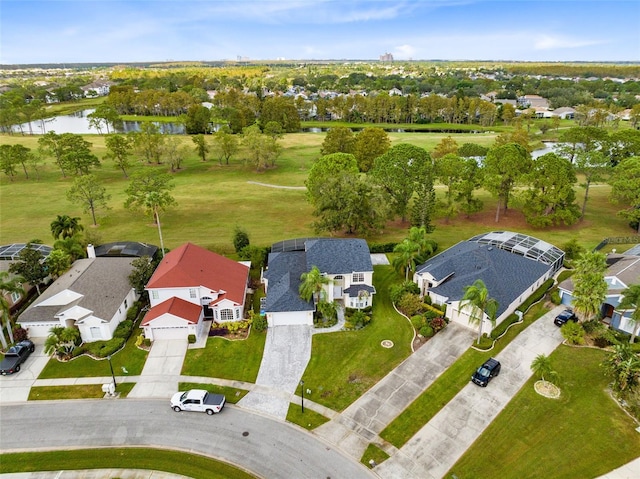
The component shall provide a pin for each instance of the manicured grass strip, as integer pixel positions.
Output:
(130, 358)
(233, 395)
(222, 358)
(374, 453)
(88, 391)
(124, 389)
(190, 465)
(582, 434)
(346, 364)
(447, 385)
(308, 420)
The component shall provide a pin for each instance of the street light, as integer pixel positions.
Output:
(302, 391)
(112, 375)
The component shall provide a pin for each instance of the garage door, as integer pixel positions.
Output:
(170, 333)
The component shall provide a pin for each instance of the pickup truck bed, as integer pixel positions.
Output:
(15, 356)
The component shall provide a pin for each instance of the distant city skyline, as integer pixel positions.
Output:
(113, 31)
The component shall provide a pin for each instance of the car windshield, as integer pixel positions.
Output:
(184, 396)
(483, 371)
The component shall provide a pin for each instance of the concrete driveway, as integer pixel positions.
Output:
(442, 441)
(15, 388)
(286, 354)
(161, 372)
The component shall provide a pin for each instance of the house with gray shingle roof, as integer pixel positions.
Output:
(345, 262)
(623, 270)
(94, 295)
(511, 265)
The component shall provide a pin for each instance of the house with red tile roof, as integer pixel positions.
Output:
(190, 285)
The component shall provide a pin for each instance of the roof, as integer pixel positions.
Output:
(290, 259)
(623, 270)
(283, 276)
(126, 249)
(338, 256)
(505, 274)
(95, 284)
(191, 266)
(524, 245)
(11, 252)
(190, 312)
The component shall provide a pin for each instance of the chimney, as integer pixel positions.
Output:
(91, 251)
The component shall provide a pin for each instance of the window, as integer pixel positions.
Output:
(154, 294)
(358, 278)
(226, 314)
(193, 293)
(126, 304)
(237, 313)
(15, 297)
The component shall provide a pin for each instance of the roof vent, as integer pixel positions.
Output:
(490, 248)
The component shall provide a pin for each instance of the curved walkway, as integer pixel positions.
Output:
(277, 186)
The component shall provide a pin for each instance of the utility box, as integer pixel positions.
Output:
(109, 389)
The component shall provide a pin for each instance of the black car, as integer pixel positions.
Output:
(564, 317)
(15, 356)
(486, 372)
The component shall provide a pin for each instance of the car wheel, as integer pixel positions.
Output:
(17, 368)
(210, 412)
(32, 349)
(177, 408)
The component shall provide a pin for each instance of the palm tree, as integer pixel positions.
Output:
(590, 287)
(65, 227)
(312, 285)
(541, 365)
(412, 250)
(70, 246)
(631, 301)
(61, 340)
(476, 298)
(8, 286)
(623, 366)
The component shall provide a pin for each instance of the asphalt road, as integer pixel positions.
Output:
(265, 447)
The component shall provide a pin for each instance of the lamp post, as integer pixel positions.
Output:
(302, 391)
(112, 375)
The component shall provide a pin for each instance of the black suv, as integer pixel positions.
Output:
(564, 317)
(484, 374)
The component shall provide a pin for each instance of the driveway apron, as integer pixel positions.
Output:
(361, 422)
(161, 372)
(444, 439)
(286, 354)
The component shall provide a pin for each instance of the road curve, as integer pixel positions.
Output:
(265, 447)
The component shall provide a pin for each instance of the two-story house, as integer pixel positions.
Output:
(192, 284)
(346, 263)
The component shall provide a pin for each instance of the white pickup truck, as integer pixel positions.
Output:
(198, 400)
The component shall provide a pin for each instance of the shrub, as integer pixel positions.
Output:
(123, 330)
(146, 342)
(396, 291)
(382, 247)
(417, 321)
(191, 339)
(410, 304)
(554, 296)
(256, 254)
(102, 349)
(19, 334)
(359, 320)
(132, 314)
(573, 332)
(426, 331)
(502, 327)
(240, 239)
(434, 310)
(260, 323)
(438, 324)
(537, 295)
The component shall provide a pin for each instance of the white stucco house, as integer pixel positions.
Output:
(346, 263)
(192, 284)
(623, 270)
(511, 265)
(94, 295)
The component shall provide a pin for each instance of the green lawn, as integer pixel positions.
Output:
(582, 434)
(176, 462)
(130, 357)
(447, 385)
(346, 364)
(222, 358)
(374, 453)
(88, 391)
(232, 395)
(308, 419)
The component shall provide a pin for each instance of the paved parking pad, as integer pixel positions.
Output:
(442, 441)
(16, 387)
(162, 369)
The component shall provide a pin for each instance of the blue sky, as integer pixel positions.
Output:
(53, 31)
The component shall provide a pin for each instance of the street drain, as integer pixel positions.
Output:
(245, 434)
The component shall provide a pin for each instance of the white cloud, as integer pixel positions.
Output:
(404, 51)
(552, 42)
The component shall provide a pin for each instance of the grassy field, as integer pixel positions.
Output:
(582, 434)
(176, 462)
(222, 358)
(213, 200)
(346, 364)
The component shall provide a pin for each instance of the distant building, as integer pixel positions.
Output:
(387, 57)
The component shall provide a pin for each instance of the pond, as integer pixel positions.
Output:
(78, 123)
